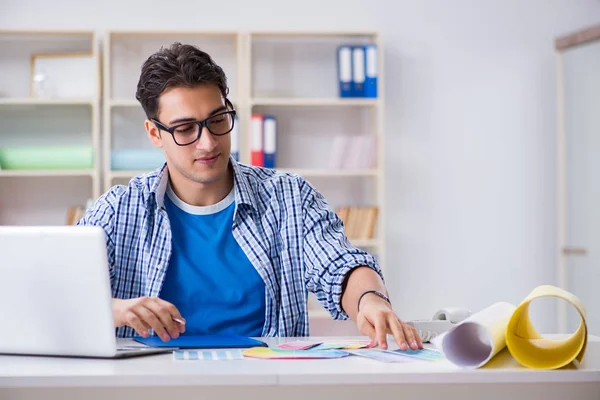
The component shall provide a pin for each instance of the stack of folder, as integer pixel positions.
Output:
(357, 70)
(264, 140)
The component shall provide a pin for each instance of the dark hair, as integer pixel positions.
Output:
(180, 65)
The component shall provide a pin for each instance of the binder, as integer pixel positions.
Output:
(257, 150)
(270, 137)
(345, 71)
(235, 140)
(371, 71)
(224, 341)
(358, 71)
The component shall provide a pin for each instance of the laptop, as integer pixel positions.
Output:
(55, 297)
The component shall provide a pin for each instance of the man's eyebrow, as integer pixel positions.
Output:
(184, 119)
(188, 119)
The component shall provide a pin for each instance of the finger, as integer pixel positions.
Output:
(175, 315)
(418, 338)
(381, 330)
(135, 322)
(161, 310)
(409, 334)
(396, 328)
(151, 319)
(365, 327)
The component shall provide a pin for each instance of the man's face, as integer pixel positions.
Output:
(206, 160)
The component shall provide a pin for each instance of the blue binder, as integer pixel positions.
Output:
(270, 140)
(345, 71)
(371, 62)
(203, 342)
(358, 71)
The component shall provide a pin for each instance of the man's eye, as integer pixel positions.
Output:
(184, 128)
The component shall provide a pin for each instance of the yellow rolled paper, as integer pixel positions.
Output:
(534, 351)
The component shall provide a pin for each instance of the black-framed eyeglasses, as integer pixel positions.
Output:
(187, 133)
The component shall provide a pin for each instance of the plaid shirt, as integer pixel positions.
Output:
(281, 222)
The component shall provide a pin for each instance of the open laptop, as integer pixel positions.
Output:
(55, 296)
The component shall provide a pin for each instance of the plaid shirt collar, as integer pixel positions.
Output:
(242, 186)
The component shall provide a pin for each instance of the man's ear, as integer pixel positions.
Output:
(154, 134)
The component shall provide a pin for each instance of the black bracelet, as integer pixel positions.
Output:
(376, 292)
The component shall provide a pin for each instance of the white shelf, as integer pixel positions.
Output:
(47, 173)
(126, 174)
(331, 173)
(318, 313)
(313, 102)
(365, 243)
(33, 101)
(325, 173)
(124, 103)
(133, 103)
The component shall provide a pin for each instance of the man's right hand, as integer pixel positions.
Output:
(144, 313)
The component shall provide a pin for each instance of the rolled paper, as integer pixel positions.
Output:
(531, 349)
(474, 341)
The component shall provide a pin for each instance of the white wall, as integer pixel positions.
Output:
(470, 121)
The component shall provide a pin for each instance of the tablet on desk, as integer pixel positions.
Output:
(203, 342)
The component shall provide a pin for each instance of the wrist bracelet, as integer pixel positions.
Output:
(375, 292)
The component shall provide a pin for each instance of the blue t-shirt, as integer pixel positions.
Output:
(209, 278)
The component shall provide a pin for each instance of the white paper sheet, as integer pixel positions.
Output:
(474, 341)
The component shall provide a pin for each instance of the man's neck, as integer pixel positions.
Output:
(201, 194)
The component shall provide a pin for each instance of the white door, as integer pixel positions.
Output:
(581, 247)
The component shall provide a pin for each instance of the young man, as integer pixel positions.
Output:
(206, 245)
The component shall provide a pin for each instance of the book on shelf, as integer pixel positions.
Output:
(359, 221)
(353, 152)
(75, 213)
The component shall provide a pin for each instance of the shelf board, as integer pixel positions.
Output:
(48, 173)
(34, 101)
(326, 33)
(313, 102)
(326, 173)
(132, 103)
(126, 174)
(124, 103)
(365, 243)
(318, 313)
(330, 173)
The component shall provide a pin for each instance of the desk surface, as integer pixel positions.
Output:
(162, 370)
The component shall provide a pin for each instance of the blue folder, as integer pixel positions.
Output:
(203, 342)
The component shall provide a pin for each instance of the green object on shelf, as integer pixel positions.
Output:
(49, 157)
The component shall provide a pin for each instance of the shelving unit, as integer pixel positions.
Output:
(293, 76)
(41, 197)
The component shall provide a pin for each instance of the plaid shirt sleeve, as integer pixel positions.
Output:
(102, 214)
(328, 254)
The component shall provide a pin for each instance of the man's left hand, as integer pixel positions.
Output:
(376, 319)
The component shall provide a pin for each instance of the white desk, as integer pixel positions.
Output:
(161, 377)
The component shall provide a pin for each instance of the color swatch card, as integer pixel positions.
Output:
(278, 354)
(381, 355)
(326, 345)
(298, 345)
(208, 355)
(421, 354)
(345, 345)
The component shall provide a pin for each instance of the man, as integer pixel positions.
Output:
(206, 245)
